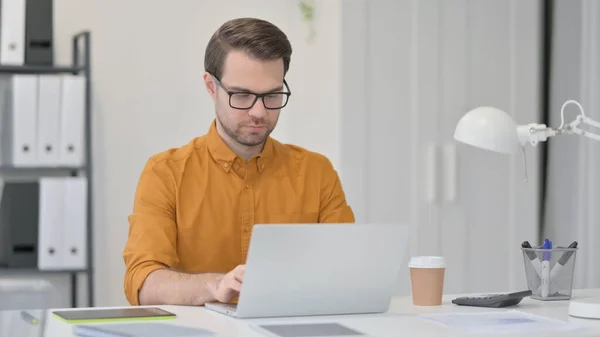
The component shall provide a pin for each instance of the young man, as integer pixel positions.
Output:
(195, 206)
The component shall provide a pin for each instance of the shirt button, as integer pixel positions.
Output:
(247, 186)
(247, 228)
(226, 165)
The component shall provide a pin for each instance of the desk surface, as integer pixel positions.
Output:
(401, 320)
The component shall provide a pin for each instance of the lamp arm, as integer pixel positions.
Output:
(534, 133)
(573, 127)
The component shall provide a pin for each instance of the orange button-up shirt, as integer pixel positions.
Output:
(195, 205)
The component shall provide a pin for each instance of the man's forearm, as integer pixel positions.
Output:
(166, 286)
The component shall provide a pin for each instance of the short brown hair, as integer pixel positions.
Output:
(258, 38)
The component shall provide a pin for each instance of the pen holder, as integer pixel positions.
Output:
(550, 272)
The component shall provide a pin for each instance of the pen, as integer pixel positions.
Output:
(562, 261)
(546, 267)
(28, 318)
(537, 265)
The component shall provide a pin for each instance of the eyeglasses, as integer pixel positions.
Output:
(245, 100)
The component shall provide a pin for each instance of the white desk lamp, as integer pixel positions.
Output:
(494, 130)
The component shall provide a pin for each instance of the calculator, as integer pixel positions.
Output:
(493, 300)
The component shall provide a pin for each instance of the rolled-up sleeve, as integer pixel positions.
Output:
(334, 208)
(151, 243)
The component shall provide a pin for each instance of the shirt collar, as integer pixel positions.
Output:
(225, 157)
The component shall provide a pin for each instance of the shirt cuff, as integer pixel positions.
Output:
(136, 280)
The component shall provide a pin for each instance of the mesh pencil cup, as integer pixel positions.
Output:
(550, 272)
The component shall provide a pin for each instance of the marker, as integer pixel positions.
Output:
(28, 318)
(562, 261)
(537, 265)
(546, 268)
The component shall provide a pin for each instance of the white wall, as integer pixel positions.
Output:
(572, 211)
(424, 64)
(148, 94)
(370, 97)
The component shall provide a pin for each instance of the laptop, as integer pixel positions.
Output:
(319, 269)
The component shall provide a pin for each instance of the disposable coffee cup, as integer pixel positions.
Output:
(427, 279)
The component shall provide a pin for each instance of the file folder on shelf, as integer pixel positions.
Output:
(18, 133)
(19, 224)
(75, 220)
(72, 140)
(12, 32)
(48, 120)
(50, 222)
(39, 30)
(62, 223)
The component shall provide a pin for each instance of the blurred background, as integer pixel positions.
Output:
(378, 87)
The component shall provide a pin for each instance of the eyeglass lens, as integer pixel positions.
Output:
(247, 100)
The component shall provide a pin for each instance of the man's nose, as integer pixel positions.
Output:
(258, 110)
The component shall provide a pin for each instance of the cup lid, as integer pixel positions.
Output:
(427, 262)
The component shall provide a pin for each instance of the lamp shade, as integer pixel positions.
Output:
(488, 128)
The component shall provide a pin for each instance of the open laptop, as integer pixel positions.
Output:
(319, 269)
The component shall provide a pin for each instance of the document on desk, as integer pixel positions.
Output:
(499, 322)
(309, 330)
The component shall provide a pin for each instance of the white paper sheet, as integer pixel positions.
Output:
(499, 322)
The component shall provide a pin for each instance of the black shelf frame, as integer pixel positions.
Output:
(81, 64)
(32, 69)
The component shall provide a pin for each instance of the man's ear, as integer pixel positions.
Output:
(210, 84)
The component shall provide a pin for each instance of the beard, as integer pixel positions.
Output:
(250, 138)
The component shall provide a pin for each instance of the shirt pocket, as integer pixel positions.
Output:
(287, 218)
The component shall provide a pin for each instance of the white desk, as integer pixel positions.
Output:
(401, 320)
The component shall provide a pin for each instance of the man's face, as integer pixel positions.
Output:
(242, 73)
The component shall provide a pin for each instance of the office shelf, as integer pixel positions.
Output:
(41, 171)
(39, 69)
(5, 270)
(81, 56)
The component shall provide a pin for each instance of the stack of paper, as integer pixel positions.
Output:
(499, 322)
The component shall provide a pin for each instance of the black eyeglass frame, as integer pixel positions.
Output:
(288, 93)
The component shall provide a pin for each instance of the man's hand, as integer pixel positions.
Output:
(167, 286)
(229, 285)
